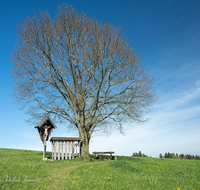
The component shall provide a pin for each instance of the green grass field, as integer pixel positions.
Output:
(123, 173)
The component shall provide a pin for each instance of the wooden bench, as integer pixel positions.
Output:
(100, 155)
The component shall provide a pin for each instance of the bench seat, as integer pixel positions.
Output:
(99, 155)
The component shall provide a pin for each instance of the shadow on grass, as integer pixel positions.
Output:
(124, 166)
(132, 158)
(48, 154)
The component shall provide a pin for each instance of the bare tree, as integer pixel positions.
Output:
(81, 71)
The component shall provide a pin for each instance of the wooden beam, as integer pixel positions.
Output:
(66, 139)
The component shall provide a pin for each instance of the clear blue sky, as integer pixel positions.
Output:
(169, 34)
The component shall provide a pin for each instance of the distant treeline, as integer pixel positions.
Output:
(140, 154)
(180, 156)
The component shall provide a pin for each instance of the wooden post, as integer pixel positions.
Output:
(66, 144)
(72, 149)
(44, 152)
(58, 150)
(55, 143)
(52, 149)
(62, 150)
(69, 149)
(76, 149)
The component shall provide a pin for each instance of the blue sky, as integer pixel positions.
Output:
(169, 34)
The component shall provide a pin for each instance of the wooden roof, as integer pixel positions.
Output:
(65, 139)
(44, 120)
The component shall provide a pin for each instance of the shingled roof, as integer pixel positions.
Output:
(65, 139)
(45, 122)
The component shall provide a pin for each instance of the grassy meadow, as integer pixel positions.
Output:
(23, 169)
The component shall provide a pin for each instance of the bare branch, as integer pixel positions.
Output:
(79, 71)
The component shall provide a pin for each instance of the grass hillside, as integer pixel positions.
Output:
(26, 170)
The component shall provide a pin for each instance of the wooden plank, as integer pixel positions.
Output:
(66, 149)
(58, 150)
(72, 149)
(55, 146)
(62, 150)
(76, 149)
(104, 152)
(52, 149)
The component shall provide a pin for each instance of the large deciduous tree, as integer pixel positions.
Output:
(81, 71)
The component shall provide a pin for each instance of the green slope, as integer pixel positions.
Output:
(123, 173)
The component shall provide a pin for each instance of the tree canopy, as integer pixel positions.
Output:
(78, 70)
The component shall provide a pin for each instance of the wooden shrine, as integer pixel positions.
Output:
(65, 147)
(45, 128)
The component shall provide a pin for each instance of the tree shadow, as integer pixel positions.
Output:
(124, 166)
(48, 154)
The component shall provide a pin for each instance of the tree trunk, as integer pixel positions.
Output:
(85, 144)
